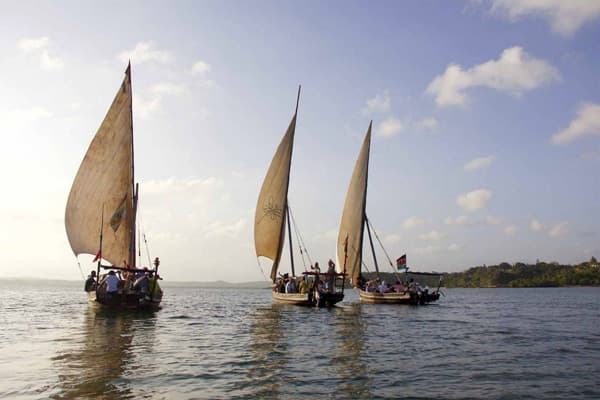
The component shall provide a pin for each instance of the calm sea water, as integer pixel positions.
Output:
(225, 343)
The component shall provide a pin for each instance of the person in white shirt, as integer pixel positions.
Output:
(112, 282)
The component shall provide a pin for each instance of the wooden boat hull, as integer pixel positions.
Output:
(299, 299)
(127, 301)
(396, 298)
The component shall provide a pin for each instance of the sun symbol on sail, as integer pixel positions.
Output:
(272, 210)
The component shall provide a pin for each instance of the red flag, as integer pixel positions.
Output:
(98, 256)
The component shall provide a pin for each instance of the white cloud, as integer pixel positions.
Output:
(200, 67)
(479, 163)
(492, 220)
(392, 238)
(587, 123)
(143, 52)
(460, 220)
(433, 235)
(455, 247)
(144, 107)
(39, 46)
(565, 16)
(412, 222)
(389, 127)
(379, 104)
(514, 72)
(29, 45)
(427, 123)
(510, 229)
(17, 118)
(536, 225)
(474, 200)
(428, 250)
(558, 229)
(330, 234)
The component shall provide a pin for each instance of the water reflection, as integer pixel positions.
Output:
(97, 368)
(352, 371)
(268, 350)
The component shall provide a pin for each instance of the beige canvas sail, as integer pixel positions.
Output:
(269, 222)
(104, 181)
(353, 217)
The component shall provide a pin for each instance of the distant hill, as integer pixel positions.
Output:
(540, 274)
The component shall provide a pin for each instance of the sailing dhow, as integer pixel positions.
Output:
(105, 184)
(272, 212)
(350, 238)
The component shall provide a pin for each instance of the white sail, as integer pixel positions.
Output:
(105, 182)
(353, 217)
(269, 222)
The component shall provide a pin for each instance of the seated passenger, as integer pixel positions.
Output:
(399, 287)
(290, 287)
(383, 288)
(112, 282)
(302, 287)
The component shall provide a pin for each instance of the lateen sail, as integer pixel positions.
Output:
(269, 223)
(353, 217)
(104, 181)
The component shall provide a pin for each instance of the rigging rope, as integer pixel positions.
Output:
(381, 244)
(300, 239)
(80, 270)
(145, 241)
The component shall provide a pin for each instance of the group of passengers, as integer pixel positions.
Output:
(304, 285)
(381, 286)
(124, 281)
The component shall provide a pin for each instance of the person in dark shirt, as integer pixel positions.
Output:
(90, 283)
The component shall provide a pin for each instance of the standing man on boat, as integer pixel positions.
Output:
(90, 283)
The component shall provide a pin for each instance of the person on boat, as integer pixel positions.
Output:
(383, 288)
(399, 287)
(302, 287)
(412, 286)
(316, 268)
(153, 284)
(142, 282)
(111, 281)
(290, 286)
(90, 283)
(330, 276)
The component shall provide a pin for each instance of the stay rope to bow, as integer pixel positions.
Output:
(381, 244)
(300, 240)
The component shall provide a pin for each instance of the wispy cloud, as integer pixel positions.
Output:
(493, 220)
(479, 163)
(392, 238)
(460, 220)
(389, 127)
(426, 123)
(167, 88)
(200, 68)
(565, 16)
(474, 200)
(17, 118)
(412, 222)
(145, 52)
(587, 123)
(40, 47)
(222, 229)
(433, 235)
(381, 103)
(171, 185)
(510, 230)
(455, 247)
(514, 72)
(555, 230)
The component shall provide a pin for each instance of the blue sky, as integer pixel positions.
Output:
(486, 120)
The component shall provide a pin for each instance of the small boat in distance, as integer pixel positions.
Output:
(272, 211)
(105, 182)
(350, 240)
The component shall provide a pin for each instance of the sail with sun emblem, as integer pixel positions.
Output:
(270, 221)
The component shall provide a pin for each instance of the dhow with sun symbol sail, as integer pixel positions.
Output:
(313, 288)
(100, 217)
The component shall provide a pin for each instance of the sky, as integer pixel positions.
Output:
(486, 125)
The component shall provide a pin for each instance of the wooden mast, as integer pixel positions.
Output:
(287, 208)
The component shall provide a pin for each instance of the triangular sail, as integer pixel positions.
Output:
(269, 222)
(353, 218)
(105, 181)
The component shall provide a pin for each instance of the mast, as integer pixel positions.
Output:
(287, 212)
(134, 186)
(372, 248)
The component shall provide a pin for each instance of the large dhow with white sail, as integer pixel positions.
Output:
(350, 243)
(272, 213)
(101, 213)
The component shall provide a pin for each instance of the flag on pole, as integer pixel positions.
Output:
(98, 256)
(401, 263)
(119, 215)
